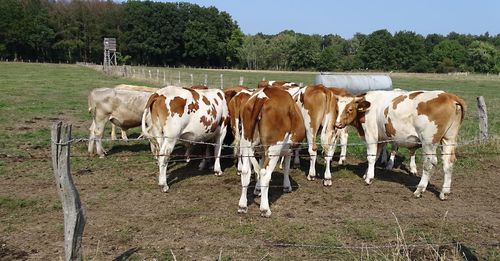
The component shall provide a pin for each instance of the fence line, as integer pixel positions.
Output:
(462, 143)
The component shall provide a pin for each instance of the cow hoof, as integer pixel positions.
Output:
(311, 178)
(327, 182)
(242, 210)
(418, 192)
(413, 173)
(443, 196)
(164, 189)
(102, 156)
(287, 189)
(368, 181)
(265, 213)
(218, 174)
(257, 193)
(341, 162)
(238, 172)
(364, 176)
(389, 167)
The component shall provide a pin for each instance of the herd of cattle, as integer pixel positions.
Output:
(273, 119)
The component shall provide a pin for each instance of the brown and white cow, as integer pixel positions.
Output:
(409, 119)
(270, 118)
(185, 115)
(318, 107)
(123, 108)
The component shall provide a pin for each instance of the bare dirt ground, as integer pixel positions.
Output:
(128, 218)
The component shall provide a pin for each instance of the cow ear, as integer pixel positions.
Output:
(363, 106)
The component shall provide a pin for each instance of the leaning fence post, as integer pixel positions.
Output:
(483, 118)
(74, 213)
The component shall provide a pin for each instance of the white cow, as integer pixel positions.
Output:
(123, 108)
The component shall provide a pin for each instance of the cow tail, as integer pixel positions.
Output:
(146, 130)
(250, 117)
(331, 102)
(460, 102)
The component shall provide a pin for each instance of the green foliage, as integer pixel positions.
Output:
(483, 57)
(448, 55)
(377, 51)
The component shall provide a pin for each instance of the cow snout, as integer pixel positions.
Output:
(339, 125)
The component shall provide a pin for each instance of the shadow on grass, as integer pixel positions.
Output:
(402, 177)
(125, 255)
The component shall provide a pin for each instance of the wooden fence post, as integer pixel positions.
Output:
(205, 81)
(241, 81)
(74, 213)
(221, 81)
(483, 118)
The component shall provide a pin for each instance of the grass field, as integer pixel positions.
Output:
(129, 218)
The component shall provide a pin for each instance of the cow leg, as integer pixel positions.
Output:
(392, 158)
(282, 159)
(312, 149)
(167, 145)
(371, 157)
(98, 133)
(113, 131)
(430, 160)
(344, 136)
(329, 149)
(265, 177)
(448, 157)
(296, 160)
(245, 175)
(124, 134)
(383, 156)
(203, 163)
(239, 163)
(217, 150)
(413, 165)
(287, 186)
(91, 146)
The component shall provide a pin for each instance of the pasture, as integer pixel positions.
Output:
(130, 219)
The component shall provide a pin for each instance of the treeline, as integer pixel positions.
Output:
(154, 33)
(380, 50)
(147, 32)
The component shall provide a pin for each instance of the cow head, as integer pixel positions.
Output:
(349, 109)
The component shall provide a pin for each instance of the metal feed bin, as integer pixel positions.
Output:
(355, 83)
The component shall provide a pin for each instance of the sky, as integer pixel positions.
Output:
(348, 17)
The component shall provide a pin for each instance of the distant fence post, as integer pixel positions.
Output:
(74, 213)
(192, 79)
(241, 81)
(205, 82)
(221, 81)
(179, 78)
(483, 118)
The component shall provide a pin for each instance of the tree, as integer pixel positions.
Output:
(305, 52)
(409, 50)
(377, 52)
(448, 55)
(482, 57)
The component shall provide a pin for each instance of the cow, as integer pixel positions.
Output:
(129, 88)
(270, 118)
(318, 107)
(410, 119)
(123, 108)
(187, 116)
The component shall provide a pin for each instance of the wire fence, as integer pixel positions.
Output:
(168, 76)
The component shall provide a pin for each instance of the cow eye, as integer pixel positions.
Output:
(350, 110)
